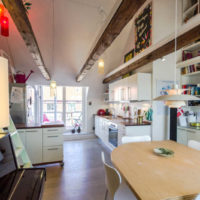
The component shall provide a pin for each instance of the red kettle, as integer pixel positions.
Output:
(20, 77)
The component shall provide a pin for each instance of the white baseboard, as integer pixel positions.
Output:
(79, 136)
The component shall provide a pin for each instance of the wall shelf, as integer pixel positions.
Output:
(195, 46)
(191, 74)
(188, 62)
(190, 9)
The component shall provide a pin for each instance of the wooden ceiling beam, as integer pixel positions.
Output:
(19, 15)
(122, 16)
(182, 40)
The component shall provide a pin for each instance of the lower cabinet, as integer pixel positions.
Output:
(34, 145)
(182, 136)
(52, 154)
(133, 131)
(186, 134)
(102, 130)
(43, 145)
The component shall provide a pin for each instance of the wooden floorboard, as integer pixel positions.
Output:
(82, 177)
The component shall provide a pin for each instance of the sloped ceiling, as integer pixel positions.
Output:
(78, 24)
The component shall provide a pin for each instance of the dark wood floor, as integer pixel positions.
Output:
(82, 177)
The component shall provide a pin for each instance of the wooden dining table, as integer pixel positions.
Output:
(153, 177)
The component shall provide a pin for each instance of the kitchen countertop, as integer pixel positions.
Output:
(32, 126)
(125, 122)
(189, 127)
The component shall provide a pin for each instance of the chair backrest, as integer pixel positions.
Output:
(129, 139)
(113, 178)
(194, 144)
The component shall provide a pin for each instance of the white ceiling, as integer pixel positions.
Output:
(78, 25)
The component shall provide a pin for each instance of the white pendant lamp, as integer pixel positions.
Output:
(174, 97)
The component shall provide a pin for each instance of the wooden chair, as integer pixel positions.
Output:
(194, 144)
(129, 139)
(117, 189)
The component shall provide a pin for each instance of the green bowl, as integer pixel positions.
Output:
(164, 152)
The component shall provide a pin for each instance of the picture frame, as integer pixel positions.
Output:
(143, 29)
(129, 55)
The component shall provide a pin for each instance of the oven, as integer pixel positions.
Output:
(113, 134)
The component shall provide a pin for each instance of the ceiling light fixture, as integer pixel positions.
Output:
(101, 66)
(174, 97)
(53, 83)
(53, 88)
(163, 59)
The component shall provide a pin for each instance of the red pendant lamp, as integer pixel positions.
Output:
(4, 26)
(4, 22)
(1, 10)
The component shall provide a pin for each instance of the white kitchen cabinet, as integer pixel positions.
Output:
(52, 144)
(102, 130)
(186, 134)
(52, 154)
(34, 144)
(43, 144)
(139, 87)
(133, 131)
(134, 88)
(182, 136)
(22, 135)
(97, 128)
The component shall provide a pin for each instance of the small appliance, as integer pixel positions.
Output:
(101, 112)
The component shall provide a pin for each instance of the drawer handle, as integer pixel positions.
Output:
(53, 136)
(31, 131)
(53, 149)
(53, 130)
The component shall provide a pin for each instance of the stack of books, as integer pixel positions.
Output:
(186, 55)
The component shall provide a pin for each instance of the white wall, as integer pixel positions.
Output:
(163, 26)
(161, 71)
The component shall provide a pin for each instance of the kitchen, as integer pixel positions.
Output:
(87, 77)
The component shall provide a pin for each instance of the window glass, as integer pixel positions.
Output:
(59, 93)
(53, 107)
(46, 93)
(74, 93)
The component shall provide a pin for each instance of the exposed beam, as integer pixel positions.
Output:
(122, 16)
(182, 40)
(19, 15)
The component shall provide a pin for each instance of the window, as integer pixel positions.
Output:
(73, 105)
(52, 107)
(67, 106)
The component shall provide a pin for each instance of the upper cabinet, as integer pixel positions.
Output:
(139, 86)
(134, 88)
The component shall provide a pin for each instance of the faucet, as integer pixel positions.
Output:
(113, 111)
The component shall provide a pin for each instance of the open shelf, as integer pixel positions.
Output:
(195, 46)
(188, 62)
(190, 9)
(191, 74)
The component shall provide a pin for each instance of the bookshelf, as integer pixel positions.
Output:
(190, 64)
(189, 67)
(191, 8)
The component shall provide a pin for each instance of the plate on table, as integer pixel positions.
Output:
(163, 152)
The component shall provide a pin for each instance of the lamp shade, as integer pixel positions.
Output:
(4, 95)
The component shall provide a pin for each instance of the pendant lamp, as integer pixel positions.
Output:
(53, 83)
(174, 97)
(101, 66)
(53, 88)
